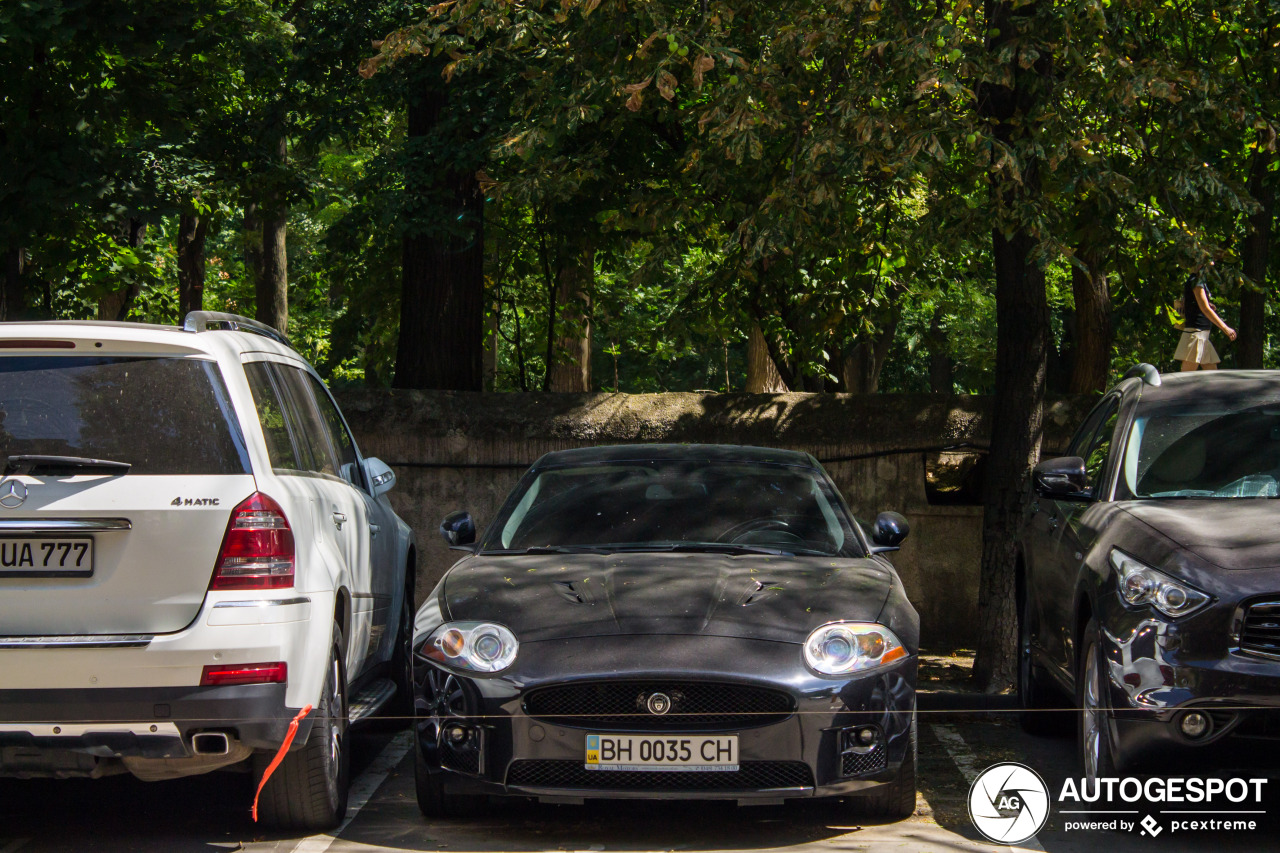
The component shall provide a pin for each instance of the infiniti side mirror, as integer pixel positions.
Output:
(1061, 478)
(887, 533)
(458, 529)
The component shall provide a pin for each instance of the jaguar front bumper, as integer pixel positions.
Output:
(494, 735)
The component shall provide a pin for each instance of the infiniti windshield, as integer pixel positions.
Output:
(677, 506)
(1204, 450)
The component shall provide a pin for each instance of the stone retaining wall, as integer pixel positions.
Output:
(465, 451)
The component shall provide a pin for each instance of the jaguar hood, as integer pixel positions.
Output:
(558, 596)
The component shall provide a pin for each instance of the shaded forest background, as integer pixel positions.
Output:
(1002, 197)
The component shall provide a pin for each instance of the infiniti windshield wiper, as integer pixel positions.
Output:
(66, 466)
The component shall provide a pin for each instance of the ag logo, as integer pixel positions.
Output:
(1008, 803)
(13, 494)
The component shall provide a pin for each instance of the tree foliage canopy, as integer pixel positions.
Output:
(825, 172)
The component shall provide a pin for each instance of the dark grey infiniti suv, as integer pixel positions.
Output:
(1149, 574)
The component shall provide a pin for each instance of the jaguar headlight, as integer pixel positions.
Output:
(1140, 585)
(478, 646)
(841, 648)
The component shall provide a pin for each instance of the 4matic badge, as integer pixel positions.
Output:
(181, 501)
(1009, 803)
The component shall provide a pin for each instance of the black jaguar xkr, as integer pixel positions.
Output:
(667, 621)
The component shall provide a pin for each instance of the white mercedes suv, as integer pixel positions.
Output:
(192, 552)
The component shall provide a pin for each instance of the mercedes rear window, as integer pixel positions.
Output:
(160, 415)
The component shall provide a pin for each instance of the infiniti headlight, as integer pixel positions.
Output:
(478, 646)
(841, 648)
(1139, 584)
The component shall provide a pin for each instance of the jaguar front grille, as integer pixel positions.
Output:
(688, 706)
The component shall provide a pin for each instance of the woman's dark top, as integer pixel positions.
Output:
(1196, 319)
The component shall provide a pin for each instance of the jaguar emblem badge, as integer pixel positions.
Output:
(658, 704)
(13, 494)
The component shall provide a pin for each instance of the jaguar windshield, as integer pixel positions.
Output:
(721, 507)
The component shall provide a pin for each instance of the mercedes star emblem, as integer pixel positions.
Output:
(658, 703)
(13, 494)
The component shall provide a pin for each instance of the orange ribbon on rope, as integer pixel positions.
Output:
(275, 762)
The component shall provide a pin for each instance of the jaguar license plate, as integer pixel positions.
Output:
(656, 752)
(36, 557)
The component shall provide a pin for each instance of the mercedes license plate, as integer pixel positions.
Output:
(657, 752)
(42, 556)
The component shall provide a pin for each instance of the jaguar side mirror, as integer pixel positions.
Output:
(887, 533)
(1061, 478)
(458, 529)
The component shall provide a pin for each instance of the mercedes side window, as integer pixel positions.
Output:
(309, 426)
(1095, 455)
(282, 447)
(339, 436)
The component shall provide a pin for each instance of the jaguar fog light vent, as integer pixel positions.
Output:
(862, 751)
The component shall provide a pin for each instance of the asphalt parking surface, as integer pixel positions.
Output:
(210, 814)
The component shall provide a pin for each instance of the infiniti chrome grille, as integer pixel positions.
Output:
(1260, 629)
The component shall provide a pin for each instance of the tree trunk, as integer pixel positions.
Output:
(1092, 363)
(1252, 336)
(571, 364)
(865, 358)
(942, 368)
(115, 304)
(12, 301)
(1022, 344)
(273, 277)
(762, 373)
(192, 229)
(251, 241)
(442, 301)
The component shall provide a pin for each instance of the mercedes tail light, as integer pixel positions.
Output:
(257, 549)
(245, 673)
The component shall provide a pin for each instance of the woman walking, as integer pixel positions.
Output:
(1194, 347)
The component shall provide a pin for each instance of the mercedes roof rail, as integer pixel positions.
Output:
(204, 321)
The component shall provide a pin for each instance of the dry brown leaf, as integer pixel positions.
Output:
(667, 84)
(701, 66)
(640, 51)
